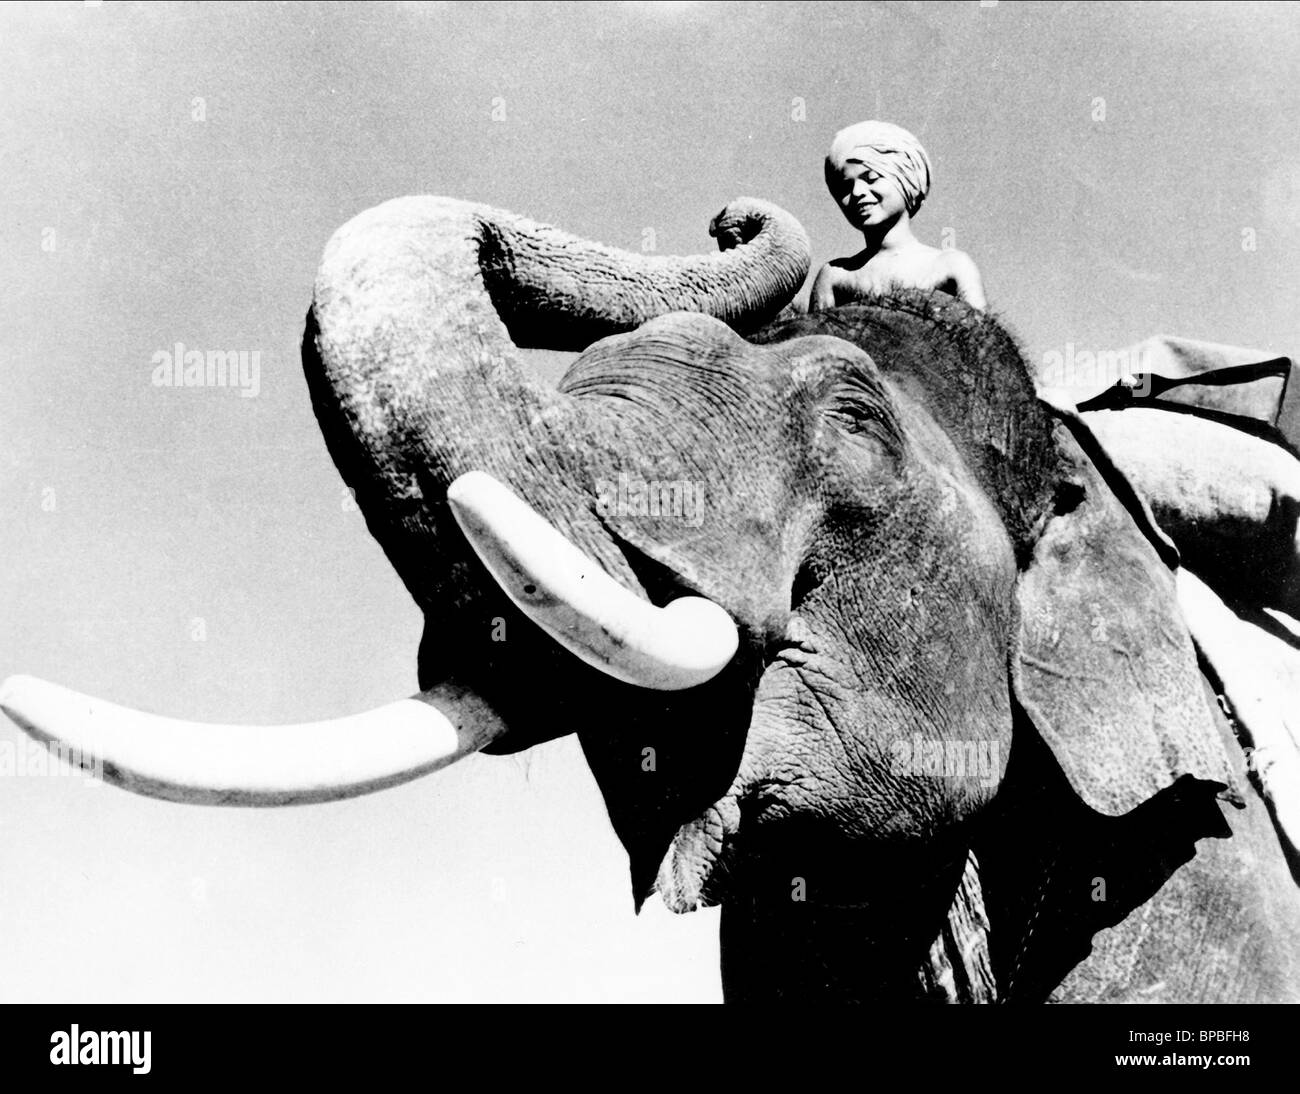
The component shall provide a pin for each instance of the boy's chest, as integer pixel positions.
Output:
(881, 274)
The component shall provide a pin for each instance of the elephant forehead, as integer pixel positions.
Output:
(685, 398)
(685, 362)
(692, 380)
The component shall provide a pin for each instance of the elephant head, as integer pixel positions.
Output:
(810, 600)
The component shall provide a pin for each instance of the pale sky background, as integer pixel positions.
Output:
(1099, 161)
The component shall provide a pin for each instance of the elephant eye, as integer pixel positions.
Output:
(862, 410)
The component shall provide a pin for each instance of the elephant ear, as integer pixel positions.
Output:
(1104, 664)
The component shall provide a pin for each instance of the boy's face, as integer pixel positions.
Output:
(867, 198)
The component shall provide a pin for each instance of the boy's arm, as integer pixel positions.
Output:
(822, 296)
(966, 279)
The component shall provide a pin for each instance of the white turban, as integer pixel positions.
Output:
(888, 150)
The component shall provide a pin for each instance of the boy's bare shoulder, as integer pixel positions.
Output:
(954, 259)
(959, 270)
(832, 276)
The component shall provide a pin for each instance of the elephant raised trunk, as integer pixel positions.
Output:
(420, 304)
(409, 352)
(555, 291)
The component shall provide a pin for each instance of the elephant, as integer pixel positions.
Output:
(905, 687)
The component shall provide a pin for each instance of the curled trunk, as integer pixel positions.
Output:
(556, 291)
(409, 350)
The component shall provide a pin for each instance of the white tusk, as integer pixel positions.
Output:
(578, 604)
(252, 765)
